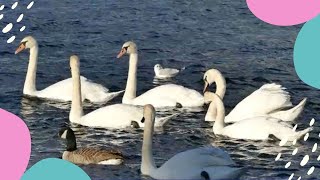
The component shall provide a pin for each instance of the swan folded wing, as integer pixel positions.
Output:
(268, 98)
(92, 155)
(200, 157)
(169, 95)
(189, 164)
(168, 71)
(113, 116)
(224, 172)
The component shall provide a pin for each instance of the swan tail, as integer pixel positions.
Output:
(300, 134)
(106, 97)
(222, 172)
(164, 120)
(291, 114)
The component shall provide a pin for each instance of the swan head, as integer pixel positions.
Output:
(128, 48)
(210, 77)
(149, 114)
(74, 63)
(26, 43)
(157, 67)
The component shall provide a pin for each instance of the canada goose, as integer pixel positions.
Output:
(87, 155)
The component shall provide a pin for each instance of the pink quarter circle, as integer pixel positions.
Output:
(15, 146)
(284, 12)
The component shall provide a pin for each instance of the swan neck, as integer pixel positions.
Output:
(220, 85)
(218, 107)
(131, 87)
(30, 82)
(147, 165)
(76, 111)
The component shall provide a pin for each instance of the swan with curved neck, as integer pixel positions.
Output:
(254, 128)
(204, 162)
(162, 96)
(60, 91)
(112, 116)
(270, 100)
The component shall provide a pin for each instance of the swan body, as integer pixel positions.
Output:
(204, 162)
(87, 155)
(269, 100)
(162, 96)
(60, 91)
(169, 95)
(255, 128)
(112, 116)
(161, 72)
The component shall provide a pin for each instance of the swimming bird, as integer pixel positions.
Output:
(110, 116)
(205, 162)
(161, 72)
(60, 91)
(87, 155)
(169, 95)
(271, 100)
(254, 128)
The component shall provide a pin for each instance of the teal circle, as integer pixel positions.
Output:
(307, 53)
(55, 169)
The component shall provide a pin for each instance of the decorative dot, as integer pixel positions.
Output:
(283, 141)
(1, 16)
(291, 176)
(278, 157)
(1, 7)
(299, 178)
(315, 146)
(7, 28)
(318, 159)
(294, 152)
(10, 40)
(312, 122)
(30, 5)
(306, 137)
(295, 127)
(22, 28)
(14, 5)
(288, 165)
(304, 160)
(310, 170)
(20, 18)
(294, 142)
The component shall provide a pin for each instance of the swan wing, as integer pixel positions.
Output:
(189, 164)
(113, 116)
(269, 98)
(170, 95)
(62, 91)
(168, 72)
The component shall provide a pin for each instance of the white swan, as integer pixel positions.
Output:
(161, 72)
(62, 90)
(112, 116)
(201, 163)
(271, 99)
(162, 96)
(255, 128)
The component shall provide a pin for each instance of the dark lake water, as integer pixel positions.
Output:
(198, 35)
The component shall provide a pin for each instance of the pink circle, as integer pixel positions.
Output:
(284, 12)
(15, 146)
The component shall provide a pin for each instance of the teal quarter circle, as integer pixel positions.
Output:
(55, 169)
(307, 53)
